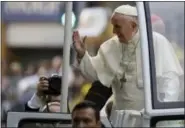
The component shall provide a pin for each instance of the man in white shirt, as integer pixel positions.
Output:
(38, 100)
(117, 62)
(42, 102)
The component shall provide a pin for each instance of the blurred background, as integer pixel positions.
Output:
(32, 43)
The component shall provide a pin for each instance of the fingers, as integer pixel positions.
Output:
(42, 78)
(76, 40)
(78, 44)
(43, 84)
(77, 34)
(76, 37)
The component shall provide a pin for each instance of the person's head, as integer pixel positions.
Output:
(16, 68)
(42, 71)
(157, 24)
(56, 62)
(30, 70)
(124, 21)
(86, 115)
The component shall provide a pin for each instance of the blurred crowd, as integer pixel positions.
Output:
(19, 83)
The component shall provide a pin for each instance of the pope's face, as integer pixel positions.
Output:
(123, 27)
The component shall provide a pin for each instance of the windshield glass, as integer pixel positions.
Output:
(170, 64)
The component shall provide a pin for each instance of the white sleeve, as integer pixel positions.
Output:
(35, 102)
(96, 68)
(170, 87)
(87, 68)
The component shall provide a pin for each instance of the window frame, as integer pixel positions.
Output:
(156, 104)
(156, 119)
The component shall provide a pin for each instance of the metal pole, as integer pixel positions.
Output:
(145, 56)
(66, 56)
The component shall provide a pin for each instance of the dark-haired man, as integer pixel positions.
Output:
(86, 115)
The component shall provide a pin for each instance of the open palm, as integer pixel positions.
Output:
(78, 44)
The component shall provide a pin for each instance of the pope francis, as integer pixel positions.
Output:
(117, 64)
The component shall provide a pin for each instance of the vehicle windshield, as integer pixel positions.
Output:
(171, 27)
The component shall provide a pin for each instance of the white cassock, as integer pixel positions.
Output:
(116, 61)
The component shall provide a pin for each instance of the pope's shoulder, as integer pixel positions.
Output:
(111, 41)
(110, 45)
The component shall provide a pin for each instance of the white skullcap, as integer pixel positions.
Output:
(126, 10)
